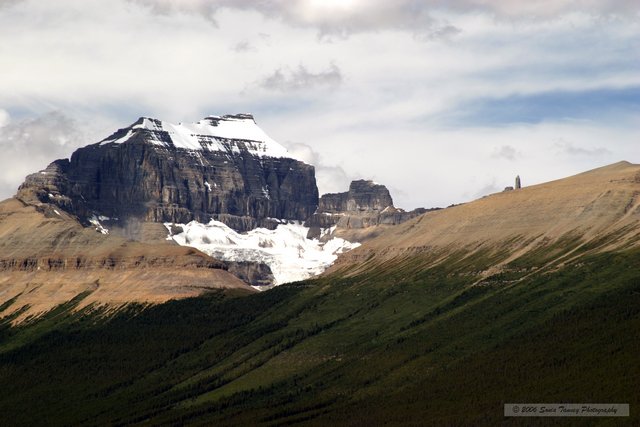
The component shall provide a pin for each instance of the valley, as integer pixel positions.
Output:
(403, 344)
(434, 316)
(319, 213)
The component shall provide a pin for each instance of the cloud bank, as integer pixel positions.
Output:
(287, 80)
(353, 16)
(439, 100)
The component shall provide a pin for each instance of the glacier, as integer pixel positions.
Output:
(286, 249)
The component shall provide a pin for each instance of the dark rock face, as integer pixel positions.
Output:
(254, 273)
(362, 196)
(366, 204)
(148, 178)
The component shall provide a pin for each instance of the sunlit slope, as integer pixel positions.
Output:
(595, 210)
(47, 258)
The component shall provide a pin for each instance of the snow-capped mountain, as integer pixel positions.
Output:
(223, 168)
(221, 185)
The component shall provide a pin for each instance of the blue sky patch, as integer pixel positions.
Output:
(599, 104)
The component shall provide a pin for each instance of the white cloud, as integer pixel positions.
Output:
(505, 152)
(352, 16)
(30, 145)
(287, 80)
(303, 152)
(330, 177)
(4, 117)
(436, 167)
(572, 149)
(445, 32)
(490, 188)
(244, 46)
(5, 3)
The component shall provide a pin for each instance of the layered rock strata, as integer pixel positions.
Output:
(222, 168)
(48, 258)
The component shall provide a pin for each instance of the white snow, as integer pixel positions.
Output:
(119, 140)
(57, 213)
(286, 250)
(231, 134)
(207, 185)
(327, 231)
(96, 223)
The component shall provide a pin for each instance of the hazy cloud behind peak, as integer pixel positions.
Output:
(29, 145)
(300, 78)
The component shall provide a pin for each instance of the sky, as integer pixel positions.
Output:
(441, 101)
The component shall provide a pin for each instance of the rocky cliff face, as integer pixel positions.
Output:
(362, 196)
(365, 205)
(224, 168)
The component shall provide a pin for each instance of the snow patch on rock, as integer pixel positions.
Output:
(95, 221)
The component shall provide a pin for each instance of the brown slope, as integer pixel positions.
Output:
(47, 258)
(600, 207)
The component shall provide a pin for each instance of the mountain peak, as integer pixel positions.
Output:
(233, 133)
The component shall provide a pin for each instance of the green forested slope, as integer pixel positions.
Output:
(402, 344)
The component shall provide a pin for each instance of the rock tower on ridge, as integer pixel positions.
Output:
(366, 204)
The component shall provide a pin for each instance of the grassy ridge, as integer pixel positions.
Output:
(401, 344)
